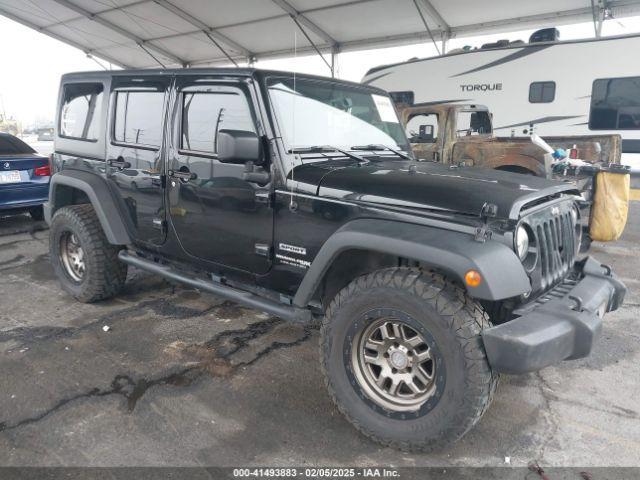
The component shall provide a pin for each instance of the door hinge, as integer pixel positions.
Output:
(263, 249)
(483, 234)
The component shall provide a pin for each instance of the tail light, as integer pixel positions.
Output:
(44, 171)
(573, 153)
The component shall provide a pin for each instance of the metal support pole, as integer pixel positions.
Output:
(598, 13)
(445, 42)
(315, 47)
(334, 58)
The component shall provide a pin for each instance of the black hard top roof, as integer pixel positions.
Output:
(243, 72)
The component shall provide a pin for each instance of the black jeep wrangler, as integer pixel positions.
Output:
(300, 196)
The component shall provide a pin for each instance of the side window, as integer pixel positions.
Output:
(423, 128)
(138, 118)
(542, 92)
(81, 111)
(470, 123)
(204, 114)
(615, 104)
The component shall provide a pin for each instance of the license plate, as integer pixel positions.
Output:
(12, 176)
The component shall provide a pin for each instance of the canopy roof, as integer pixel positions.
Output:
(148, 33)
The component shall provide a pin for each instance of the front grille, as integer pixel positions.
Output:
(561, 290)
(555, 241)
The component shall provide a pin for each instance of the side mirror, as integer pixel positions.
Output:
(238, 146)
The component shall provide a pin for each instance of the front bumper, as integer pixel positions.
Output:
(561, 325)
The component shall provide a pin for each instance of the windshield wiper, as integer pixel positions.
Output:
(329, 148)
(379, 147)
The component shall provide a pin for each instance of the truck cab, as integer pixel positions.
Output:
(439, 132)
(462, 134)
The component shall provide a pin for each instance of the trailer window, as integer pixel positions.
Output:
(81, 111)
(422, 128)
(138, 118)
(402, 98)
(542, 92)
(615, 104)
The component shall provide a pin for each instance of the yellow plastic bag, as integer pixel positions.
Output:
(610, 206)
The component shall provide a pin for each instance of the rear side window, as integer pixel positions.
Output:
(10, 145)
(138, 118)
(615, 104)
(206, 113)
(542, 92)
(81, 111)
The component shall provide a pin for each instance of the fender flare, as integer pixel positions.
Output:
(503, 275)
(101, 198)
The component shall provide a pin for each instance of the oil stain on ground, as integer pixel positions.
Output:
(218, 357)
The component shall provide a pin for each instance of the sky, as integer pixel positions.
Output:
(32, 63)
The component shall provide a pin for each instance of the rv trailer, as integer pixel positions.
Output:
(578, 87)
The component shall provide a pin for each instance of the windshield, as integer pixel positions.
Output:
(314, 113)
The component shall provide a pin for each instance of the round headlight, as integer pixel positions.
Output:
(522, 242)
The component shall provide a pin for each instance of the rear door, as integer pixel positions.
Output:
(135, 159)
(217, 215)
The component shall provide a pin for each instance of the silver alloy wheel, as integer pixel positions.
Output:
(394, 365)
(72, 256)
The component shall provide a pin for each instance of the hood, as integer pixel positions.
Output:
(427, 185)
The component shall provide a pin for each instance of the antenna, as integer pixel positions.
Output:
(292, 205)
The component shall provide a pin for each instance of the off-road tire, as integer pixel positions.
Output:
(454, 321)
(104, 274)
(37, 213)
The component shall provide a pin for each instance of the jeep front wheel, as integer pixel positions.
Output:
(84, 261)
(403, 359)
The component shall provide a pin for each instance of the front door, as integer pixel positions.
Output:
(217, 215)
(135, 155)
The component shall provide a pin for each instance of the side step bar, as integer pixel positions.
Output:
(286, 312)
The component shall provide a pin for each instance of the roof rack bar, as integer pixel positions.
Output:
(125, 33)
(206, 29)
(300, 18)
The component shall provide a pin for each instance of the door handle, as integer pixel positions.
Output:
(185, 176)
(119, 163)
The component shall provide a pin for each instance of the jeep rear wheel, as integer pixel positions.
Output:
(403, 359)
(84, 261)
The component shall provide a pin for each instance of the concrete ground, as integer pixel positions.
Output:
(183, 378)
